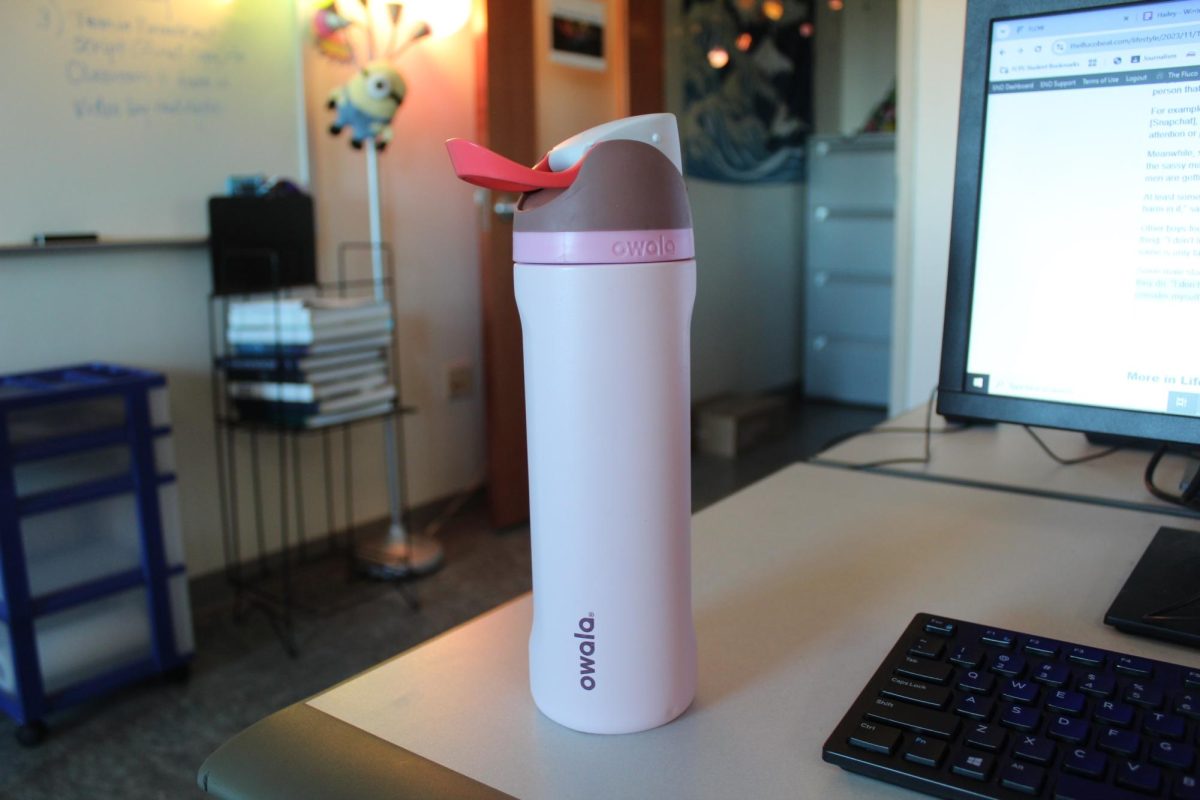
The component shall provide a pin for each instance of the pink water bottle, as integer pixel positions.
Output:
(605, 283)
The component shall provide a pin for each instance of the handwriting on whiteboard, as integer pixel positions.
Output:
(140, 61)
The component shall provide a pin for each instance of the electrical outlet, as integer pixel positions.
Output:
(460, 381)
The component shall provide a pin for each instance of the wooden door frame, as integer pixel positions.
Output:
(507, 99)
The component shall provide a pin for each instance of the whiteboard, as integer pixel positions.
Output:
(121, 117)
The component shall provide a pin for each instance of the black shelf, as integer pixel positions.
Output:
(265, 582)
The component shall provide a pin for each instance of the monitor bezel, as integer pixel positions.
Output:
(953, 399)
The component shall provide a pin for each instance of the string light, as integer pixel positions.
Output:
(744, 40)
(718, 57)
(773, 10)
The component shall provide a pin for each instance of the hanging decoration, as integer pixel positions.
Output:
(349, 32)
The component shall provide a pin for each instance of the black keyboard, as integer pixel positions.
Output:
(961, 710)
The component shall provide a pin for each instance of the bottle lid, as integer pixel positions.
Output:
(611, 194)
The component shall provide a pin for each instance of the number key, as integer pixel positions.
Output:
(926, 647)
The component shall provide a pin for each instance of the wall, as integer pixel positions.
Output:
(571, 99)
(428, 217)
(146, 309)
(747, 322)
(930, 60)
(855, 62)
(149, 308)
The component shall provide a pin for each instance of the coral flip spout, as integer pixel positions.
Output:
(476, 164)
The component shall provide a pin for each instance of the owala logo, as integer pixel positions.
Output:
(587, 649)
(662, 246)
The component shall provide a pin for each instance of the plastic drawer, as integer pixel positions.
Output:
(84, 642)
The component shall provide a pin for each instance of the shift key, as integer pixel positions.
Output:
(920, 720)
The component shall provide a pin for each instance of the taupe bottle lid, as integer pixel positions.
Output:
(627, 204)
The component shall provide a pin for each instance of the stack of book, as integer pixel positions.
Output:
(308, 362)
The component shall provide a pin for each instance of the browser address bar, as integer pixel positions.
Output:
(1081, 45)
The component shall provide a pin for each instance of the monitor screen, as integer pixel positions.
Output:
(1074, 285)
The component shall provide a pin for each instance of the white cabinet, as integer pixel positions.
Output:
(848, 268)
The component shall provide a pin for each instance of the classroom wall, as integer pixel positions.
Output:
(747, 321)
(930, 62)
(570, 98)
(429, 220)
(146, 309)
(855, 62)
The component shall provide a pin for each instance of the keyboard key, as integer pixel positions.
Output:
(1034, 748)
(927, 647)
(877, 738)
(974, 681)
(1085, 762)
(1119, 741)
(1172, 754)
(1187, 787)
(1097, 684)
(1019, 691)
(1088, 656)
(1004, 713)
(974, 765)
(921, 694)
(967, 655)
(975, 706)
(918, 720)
(1165, 726)
(1070, 787)
(1041, 647)
(1111, 712)
(986, 737)
(1068, 729)
(997, 638)
(1065, 702)
(1023, 718)
(1022, 777)
(1189, 705)
(923, 750)
(925, 670)
(1010, 665)
(1131, 665)
(1146, 695)
(1052, 674)
(1142, 777)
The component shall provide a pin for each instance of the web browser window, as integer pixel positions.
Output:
(1087, 271)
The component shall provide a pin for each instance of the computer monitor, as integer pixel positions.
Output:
(1073, 294)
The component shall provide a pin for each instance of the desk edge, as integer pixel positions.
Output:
(302, 752)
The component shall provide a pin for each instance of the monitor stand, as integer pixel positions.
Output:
(1161, 598)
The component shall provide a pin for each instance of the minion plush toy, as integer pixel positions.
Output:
(367, 102)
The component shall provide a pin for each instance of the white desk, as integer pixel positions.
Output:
(1006, 457)
(802, 583)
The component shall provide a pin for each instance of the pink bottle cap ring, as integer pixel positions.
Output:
(603, 247)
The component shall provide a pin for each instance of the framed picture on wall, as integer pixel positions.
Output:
(577, 33)
(747, 89)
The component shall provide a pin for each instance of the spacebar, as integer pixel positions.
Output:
(1072, 788)
(921, 720)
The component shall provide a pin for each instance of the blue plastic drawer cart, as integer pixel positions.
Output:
(93, 588)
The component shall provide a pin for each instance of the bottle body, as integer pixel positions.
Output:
(607, 393)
